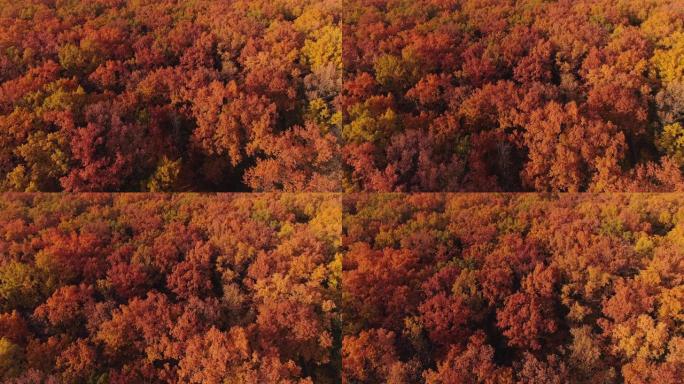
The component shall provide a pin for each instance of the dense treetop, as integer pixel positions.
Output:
(455, 95)
(487, 95)
(523, 288)
(128, 95)
(169, 288)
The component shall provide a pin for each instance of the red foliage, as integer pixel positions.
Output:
(512, 288)
(163, 289)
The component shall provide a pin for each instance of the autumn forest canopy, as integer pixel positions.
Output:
(513, 288)
(325, 95)
(487, 95)
(173, 95)
(358, 289)
(437, 191)
(206, 289)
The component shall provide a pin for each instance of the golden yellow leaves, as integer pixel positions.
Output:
(642, 338)
(671, 141)
(165, 178)
(324, 48)
(668, 60)
(10, 358)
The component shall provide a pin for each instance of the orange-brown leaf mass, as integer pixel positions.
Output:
(173, 95)
(161, 288)
(471, 95)
(513, 288)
